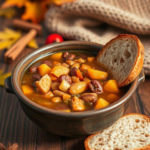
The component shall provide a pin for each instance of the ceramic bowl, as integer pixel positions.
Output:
(64, 123)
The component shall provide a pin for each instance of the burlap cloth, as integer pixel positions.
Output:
(85, 20)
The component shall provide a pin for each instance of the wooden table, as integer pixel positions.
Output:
(15, 127)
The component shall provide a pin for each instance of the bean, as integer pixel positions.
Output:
(70, 57)
(59, 93)
(65, 54)
(36, 77)
(56, 99)
(89, 97)
(33, 69)
(96, 86)
(73, 71)
(55, 86)
(65, 77)
(48, 63)
(78, 88)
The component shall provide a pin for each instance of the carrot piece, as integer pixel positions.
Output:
(27, 89)
(96, 74)
(90, 59)
(59, 70)
(100, 103)
(111, 86)
(56, 56)
(112, 98)
(44, 69)
(79, 74)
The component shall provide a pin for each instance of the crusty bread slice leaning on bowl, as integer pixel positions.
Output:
(123, 56)
(130, 132)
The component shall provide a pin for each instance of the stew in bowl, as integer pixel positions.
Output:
(70, 82)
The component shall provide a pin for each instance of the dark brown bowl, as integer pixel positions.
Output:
(64, 123)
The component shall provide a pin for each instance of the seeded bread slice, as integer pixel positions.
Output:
(123, 56)
(130, 132)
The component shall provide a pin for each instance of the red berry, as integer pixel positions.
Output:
(53, 38)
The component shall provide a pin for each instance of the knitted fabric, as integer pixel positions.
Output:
(84, 20)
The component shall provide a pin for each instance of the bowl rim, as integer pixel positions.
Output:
(43, 109)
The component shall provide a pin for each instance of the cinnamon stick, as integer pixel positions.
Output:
(10, 147)
(2, 147)
(17, 48)
(27, 25)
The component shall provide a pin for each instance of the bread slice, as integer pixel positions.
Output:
(123, 56)
(130, 132)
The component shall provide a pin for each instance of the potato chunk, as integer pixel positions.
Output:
(44, 69)
(111, 86)
(59, 70)
(96, 74)
(77, 104)
(44, 84)
(100, 103)
(56, 56)
(27, 89)
(64, 86)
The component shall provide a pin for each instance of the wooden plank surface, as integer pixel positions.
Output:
(15, 127)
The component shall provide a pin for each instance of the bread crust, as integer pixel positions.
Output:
(138, 62)
(143, 148)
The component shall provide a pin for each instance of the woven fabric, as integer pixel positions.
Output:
(84, 20)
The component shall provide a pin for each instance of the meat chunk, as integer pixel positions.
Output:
(77, 104)
(44, 84)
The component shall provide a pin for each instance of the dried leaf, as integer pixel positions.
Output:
(7, 12)
(5, 44)
(9, 34)
(10, 3)
(34, 11)
(1, 71)
(33, 44)
(3, 77)
(8, 37)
